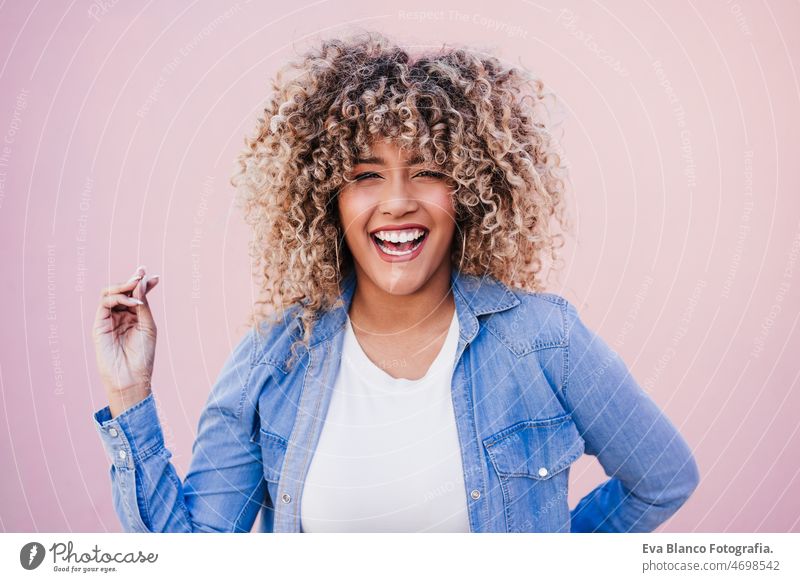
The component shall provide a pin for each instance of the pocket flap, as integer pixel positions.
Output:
(537, 449)
(273, 452)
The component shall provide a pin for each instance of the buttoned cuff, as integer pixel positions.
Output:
(132, 436)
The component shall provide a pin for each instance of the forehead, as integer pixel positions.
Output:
(385, 152)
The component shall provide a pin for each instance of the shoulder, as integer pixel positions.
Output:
(540, 320)
(266, 342)
(272, 338)
(243, 375)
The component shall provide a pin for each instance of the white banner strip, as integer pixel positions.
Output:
(405, 557)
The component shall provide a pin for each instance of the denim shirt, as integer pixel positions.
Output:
(533, 389)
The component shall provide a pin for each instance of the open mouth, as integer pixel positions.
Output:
(399, 249)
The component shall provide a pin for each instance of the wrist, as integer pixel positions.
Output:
(132, 389)
(121, 400)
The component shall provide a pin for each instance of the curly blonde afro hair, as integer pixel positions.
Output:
(476, 118)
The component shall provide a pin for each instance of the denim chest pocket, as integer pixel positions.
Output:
(273, 453)
(531, 459)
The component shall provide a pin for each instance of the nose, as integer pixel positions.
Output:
(397, 197)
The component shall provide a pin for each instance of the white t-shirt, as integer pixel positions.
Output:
(388, 458)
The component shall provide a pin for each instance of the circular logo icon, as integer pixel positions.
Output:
(31, 555)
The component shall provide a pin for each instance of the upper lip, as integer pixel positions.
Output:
(406, 226)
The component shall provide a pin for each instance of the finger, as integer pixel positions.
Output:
(145, 286)
(129, 285)
(111, 301)
(145, 317)
(152, 281)
(138, 291)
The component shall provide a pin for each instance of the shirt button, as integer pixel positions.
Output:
(286, 498)
(542, 472)
(113, 432)
(475, 494)
(122, 454)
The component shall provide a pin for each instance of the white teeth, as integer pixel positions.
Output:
(389, 251)
(392, 252)
(399, 235)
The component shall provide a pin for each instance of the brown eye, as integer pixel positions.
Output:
(364, 176)
(431, 174)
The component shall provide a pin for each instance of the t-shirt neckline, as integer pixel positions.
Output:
(375, 373)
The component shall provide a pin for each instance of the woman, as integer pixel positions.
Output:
(405, 371)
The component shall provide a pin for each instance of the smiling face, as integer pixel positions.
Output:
(398, 219)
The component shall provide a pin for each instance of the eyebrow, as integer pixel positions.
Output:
(417, 159)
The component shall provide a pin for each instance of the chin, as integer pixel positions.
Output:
(396, 281)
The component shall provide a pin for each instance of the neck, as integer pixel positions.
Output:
(376, 311)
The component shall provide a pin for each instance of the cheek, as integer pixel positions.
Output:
(351, 212)
(353, 217)
(342, 207)
(441, 204)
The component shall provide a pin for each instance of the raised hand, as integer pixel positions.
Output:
(124, 335)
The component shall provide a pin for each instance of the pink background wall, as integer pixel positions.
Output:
(120, 123)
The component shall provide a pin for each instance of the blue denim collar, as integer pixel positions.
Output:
(474, 295)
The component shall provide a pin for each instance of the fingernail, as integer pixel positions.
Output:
(137, 301)
(132, 279)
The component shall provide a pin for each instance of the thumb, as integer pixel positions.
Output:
(140, 292)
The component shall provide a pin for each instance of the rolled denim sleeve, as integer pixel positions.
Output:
(224, 486)
(651, 467)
